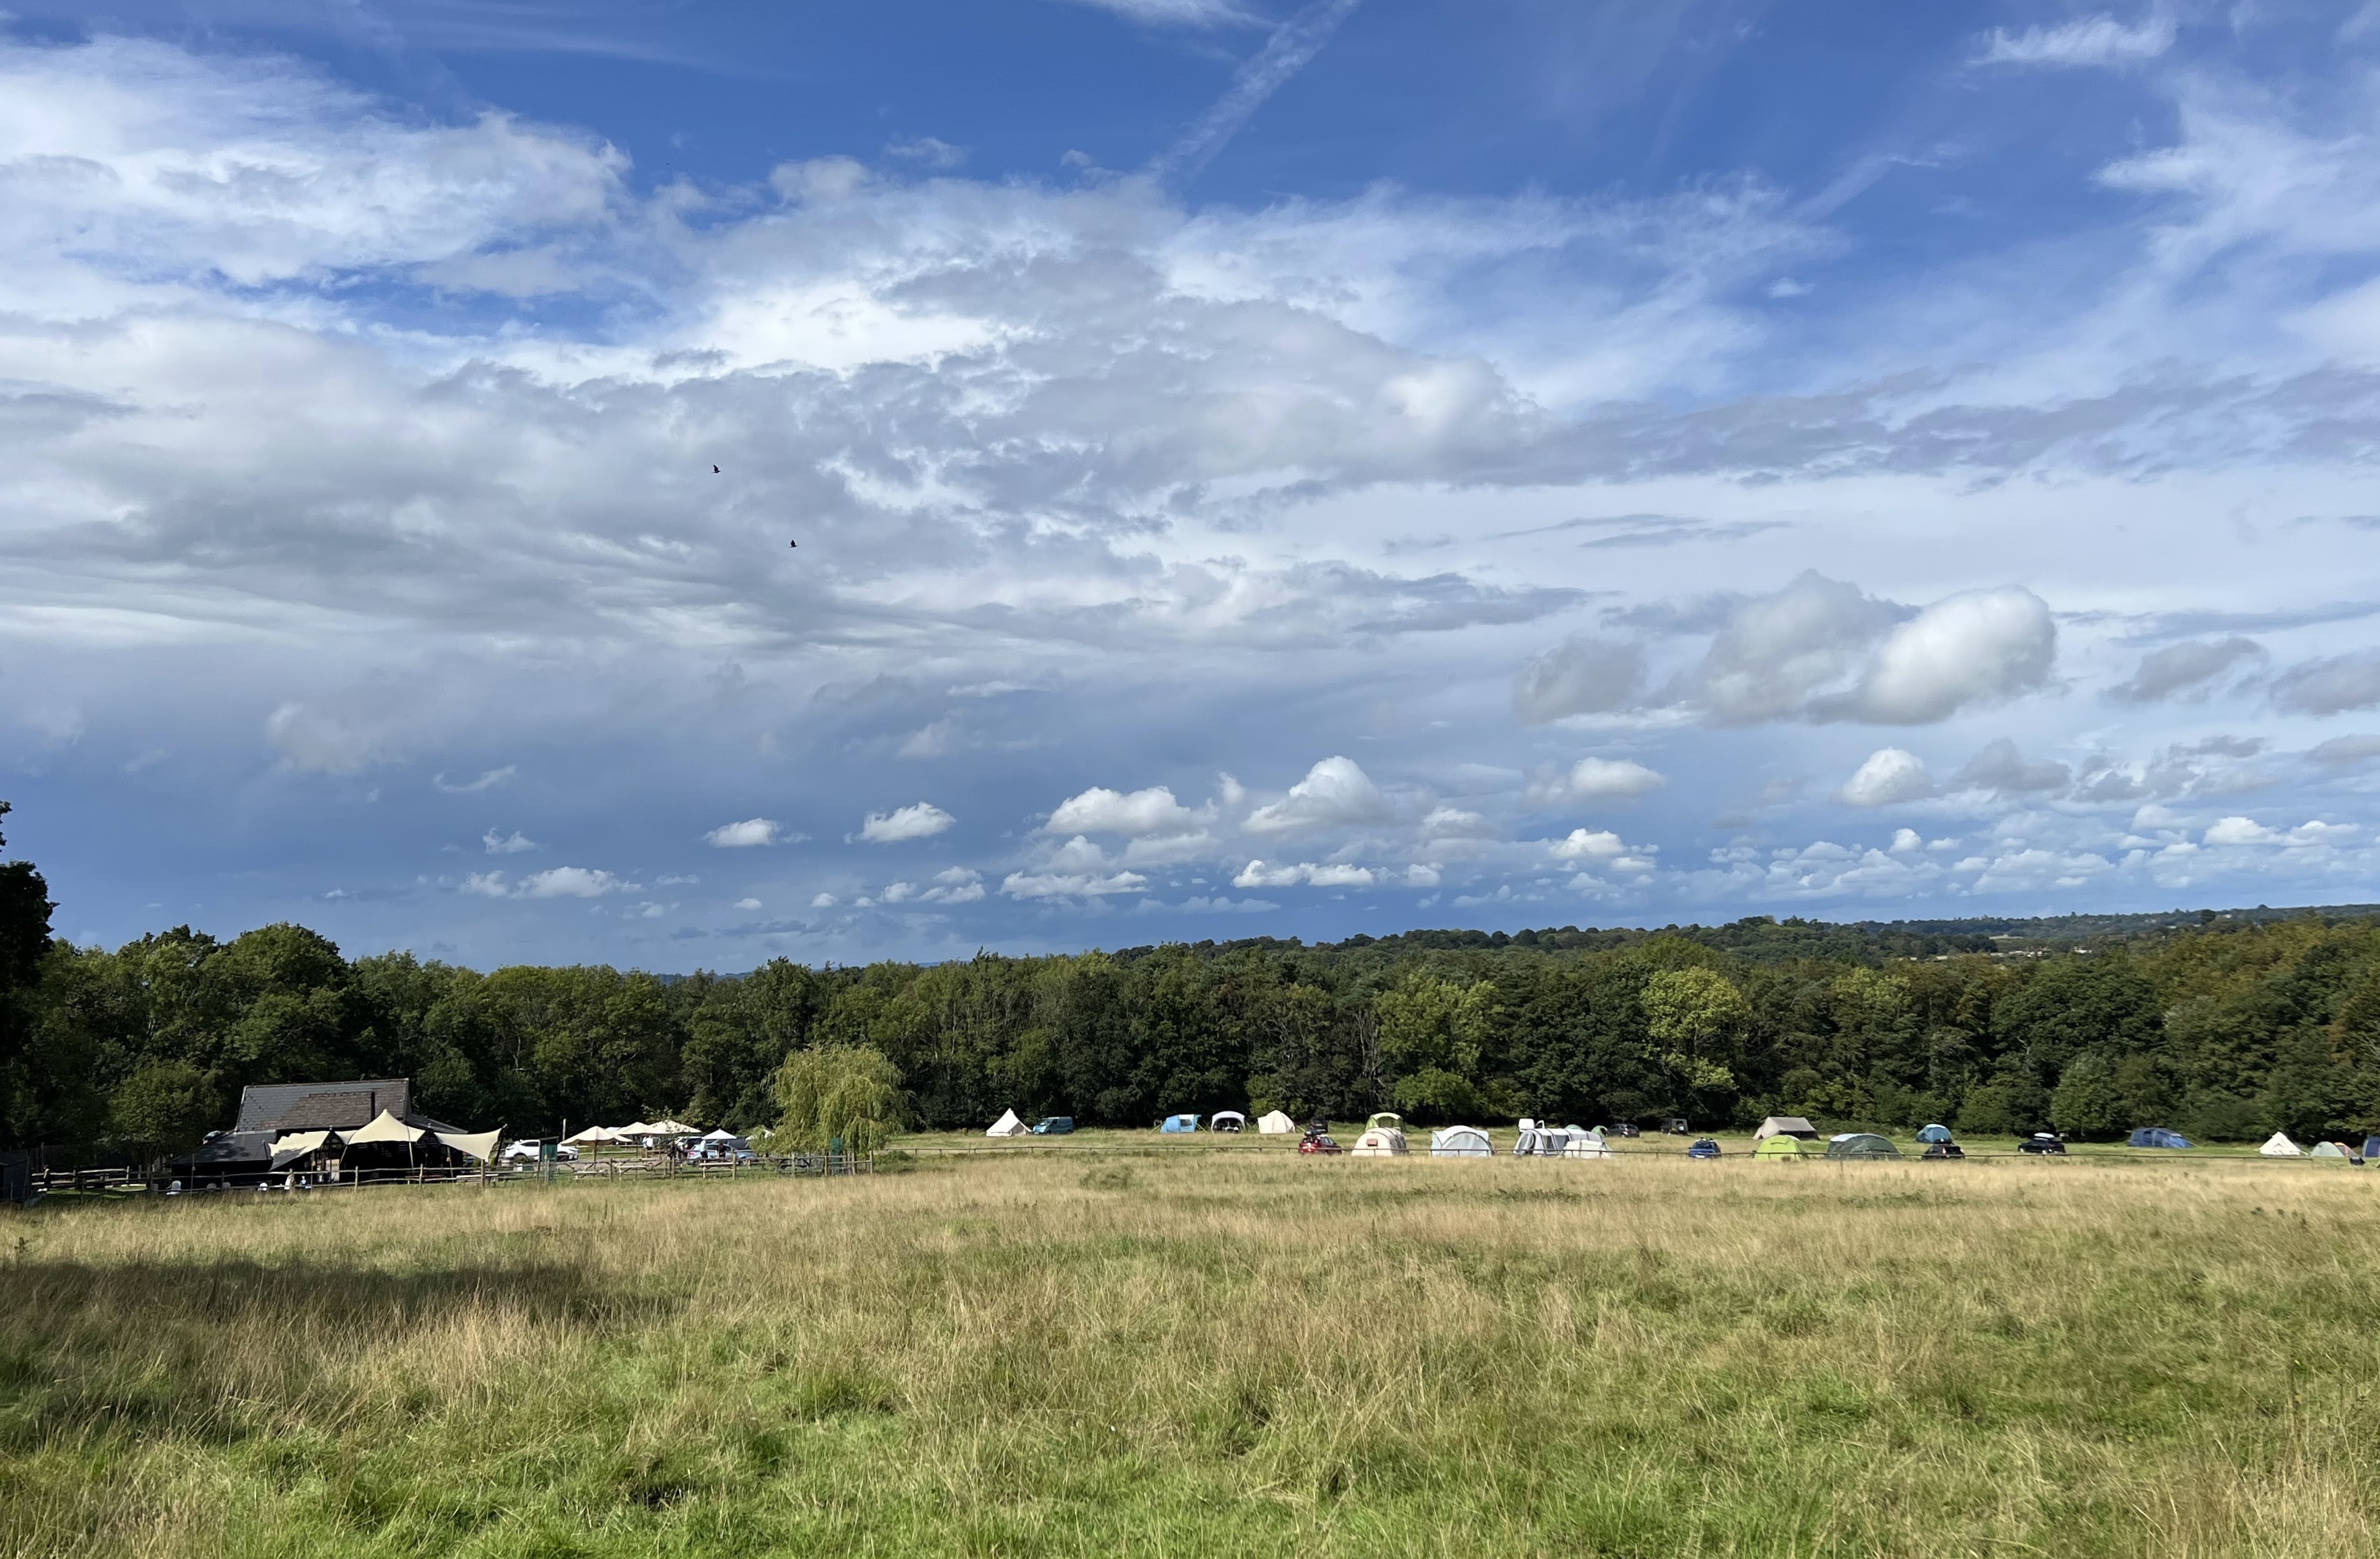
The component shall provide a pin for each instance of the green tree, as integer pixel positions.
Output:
(166, 1108)
(2087, 1102)
(848, 1092)
(1691, 1013)
(24, 943)
(1430, 1035)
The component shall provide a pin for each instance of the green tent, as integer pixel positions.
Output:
(2332, 1150)
(1860, 1144)
(1780, 1147)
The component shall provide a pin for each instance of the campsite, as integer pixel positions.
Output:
(1070, 1351)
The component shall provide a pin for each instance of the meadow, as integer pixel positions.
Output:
(1103, 1351)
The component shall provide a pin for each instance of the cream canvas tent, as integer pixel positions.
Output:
(1586, 1144)
(1785, 1126)
(1008, 1126)
(294, 1145)
(2279, 1145)
(1274, 1123)
(1461, 1142)
(1384, 1137)
(675, 1128)
(480, 1145)
(593, 1135)
(383, 1128)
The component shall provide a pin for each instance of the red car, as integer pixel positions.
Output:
(1318, 1142)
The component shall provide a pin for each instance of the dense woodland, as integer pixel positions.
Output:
(2225, 1027)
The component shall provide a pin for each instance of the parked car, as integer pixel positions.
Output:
(533, 1148)
(1317, 1141)
(1701, 1147)
(1625, 1129)
(1943, 1149)
(1053, 1126)
(1676, 1126)
(2042, 1141)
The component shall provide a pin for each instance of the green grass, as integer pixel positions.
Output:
(1161, 1352)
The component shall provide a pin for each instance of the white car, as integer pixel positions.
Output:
(531, 1150)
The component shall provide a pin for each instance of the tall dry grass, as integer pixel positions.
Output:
(1227, 1354)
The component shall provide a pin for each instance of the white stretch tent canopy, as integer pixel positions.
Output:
(384, 1128)
(297, 1146)
(1274, 1123)
(1215, 1122)
(1008, 1126)
(722, 1135)
(480, 1145)
(2279, 1145)
(592, 1135)
(673, 1128)
(1461, 1142)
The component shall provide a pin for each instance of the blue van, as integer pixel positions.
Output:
(1053, 1126)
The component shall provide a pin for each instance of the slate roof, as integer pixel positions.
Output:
(309, 1106)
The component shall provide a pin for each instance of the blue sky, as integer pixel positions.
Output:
(1258, 470)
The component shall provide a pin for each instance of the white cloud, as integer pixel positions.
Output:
(748, 903)
(958, 885)
(822, 901)
(1889, 774)
(2097, 40)
(1456, 823)
(1335, 792)
(487, 884)
(742, 836)
(1587, 845)
(1177, 13)
(2002, 769)
(569, 882)
(507, 844)
(329, 742)
(1256, 874)
(2248, 831)
(918, 820)
(1595, 779)
(1976, 648)
(1778, 651)
(1905, 840)
(1138, 813)
(1077, 884)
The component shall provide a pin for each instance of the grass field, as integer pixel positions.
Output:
(1215, 1353)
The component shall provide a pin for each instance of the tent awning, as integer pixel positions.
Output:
(480, 1145)
(592, 1135)
(296, 1145)
(673, 1129)
(383, 1128)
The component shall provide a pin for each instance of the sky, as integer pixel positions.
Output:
(681, 485)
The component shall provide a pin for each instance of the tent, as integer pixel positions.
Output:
(593, 1135)
(1274, 1123)
(2337, 1151)
(2371, 1148)
(721, 1135)
(1179, 1123)
(1008, 1126)
(1936, 1133)
(292, 1146)
(1780, 1146)
(1461, 1142)
(1785, 1126)
(675, 1128)
(2155, 1137)
(1860, 1144)
(480, 1145)
(2279, 1145)
(1238, 1121)
(383, 1128)
(1384, 1137)
(1586, 1144)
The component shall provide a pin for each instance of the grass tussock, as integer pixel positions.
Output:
(1230, 1354)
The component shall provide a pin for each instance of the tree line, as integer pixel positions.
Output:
(2225, 1029)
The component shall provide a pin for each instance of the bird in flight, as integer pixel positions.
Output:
(714, 470)
(792, 543)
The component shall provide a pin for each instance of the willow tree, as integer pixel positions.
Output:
(838, 1092)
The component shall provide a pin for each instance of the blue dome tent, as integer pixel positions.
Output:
(1180, 1123)
(2157, 1136)
(1936, 1133)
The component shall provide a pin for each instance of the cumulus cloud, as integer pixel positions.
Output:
(1579, 676)
(1258, 874)
(2248, 831)
(560, 882)
(2330, 686)
(1976, 648)
(750, 832)
(1586, 844)
(1596, 780)
(2098, 40)
(1335, 792)
(1889, 774)
(1823, 649)
(1136, 813)
(918, 820)
(748, 903)
(2000, 767)
(513, 843)
(1072, 885)
(2185, 668)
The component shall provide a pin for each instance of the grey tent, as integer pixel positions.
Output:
(1461, 1142)
(1934, 1133)
(1860, 1144)
(1785, 1126)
